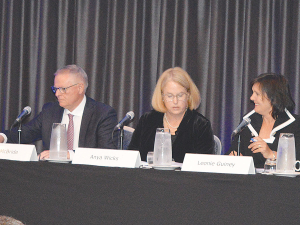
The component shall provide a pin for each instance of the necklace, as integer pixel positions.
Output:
(165, 116)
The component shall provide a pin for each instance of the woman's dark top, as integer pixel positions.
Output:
(285, 123)
(194, 135)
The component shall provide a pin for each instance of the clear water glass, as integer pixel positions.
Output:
(150, 158)
(162, 148)
(286, 153)
(58, 142)
(270, 166)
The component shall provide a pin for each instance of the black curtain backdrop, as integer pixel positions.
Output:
(124, 45)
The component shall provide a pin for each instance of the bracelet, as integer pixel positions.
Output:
(274, 157)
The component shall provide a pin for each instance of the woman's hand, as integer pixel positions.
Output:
(1, 139)
(234, 153)
(259, 145)
(44, 155)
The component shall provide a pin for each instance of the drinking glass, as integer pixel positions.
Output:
(150, 158)
(270, 166)
(58, 142)
(286, 154)
(162, 147)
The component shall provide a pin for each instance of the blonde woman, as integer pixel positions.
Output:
(175, 100)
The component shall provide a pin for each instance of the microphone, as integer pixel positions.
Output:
(129, 116)
(241, 126)
(26, 111)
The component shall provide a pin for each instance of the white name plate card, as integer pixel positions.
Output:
(218, 164)
(107, 157)
(18, 152)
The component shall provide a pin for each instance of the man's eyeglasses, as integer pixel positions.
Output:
(180, 97)
(61, 89)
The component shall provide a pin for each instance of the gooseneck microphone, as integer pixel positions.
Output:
(241, 126)
(128, 117)
(26, 111)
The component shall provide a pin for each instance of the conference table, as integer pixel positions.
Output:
(63, 193)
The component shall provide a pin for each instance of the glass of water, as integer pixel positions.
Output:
(162, 147)
(270, 166)
(150, 158)
(58, 142)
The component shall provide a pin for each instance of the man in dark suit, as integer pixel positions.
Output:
(92, 122)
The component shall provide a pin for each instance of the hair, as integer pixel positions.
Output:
(277, 90)
(76, 71)
(6, 220)
(181, 77)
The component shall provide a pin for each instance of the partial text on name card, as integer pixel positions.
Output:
(107, 157)
(218, 164)
(18, 152)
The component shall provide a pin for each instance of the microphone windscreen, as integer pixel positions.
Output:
(28, 109)
(130, 114)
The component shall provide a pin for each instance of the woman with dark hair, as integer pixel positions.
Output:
(271, 116)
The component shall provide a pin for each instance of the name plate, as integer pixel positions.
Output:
(18, 152)
(107, 157)
(218, 164)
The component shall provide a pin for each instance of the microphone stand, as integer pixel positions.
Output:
(121, 137)
(19, 132)
(239, 143)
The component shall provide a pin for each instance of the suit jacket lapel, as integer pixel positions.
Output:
(57, 117)
(280, 120)
(283, 120)
(86, 117)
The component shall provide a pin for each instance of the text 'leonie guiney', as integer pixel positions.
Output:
(212, 163)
